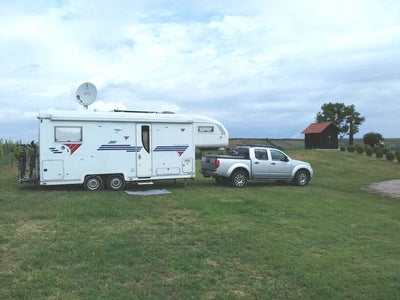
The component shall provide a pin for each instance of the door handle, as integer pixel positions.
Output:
(140, 156)
(256, 163)
(273, 163)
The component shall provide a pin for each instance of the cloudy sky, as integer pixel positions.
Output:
(263, 68)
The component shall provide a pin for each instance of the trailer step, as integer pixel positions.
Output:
(144, 182)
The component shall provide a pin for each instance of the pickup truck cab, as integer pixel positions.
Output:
(256, 163)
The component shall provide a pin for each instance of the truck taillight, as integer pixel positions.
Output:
(217, 163)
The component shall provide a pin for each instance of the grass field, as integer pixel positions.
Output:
(330, 239)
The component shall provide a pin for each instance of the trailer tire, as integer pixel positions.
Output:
(116, 182)
(93, 183)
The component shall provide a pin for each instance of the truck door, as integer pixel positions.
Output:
(280, 166)
(143, 157)
(260, 164)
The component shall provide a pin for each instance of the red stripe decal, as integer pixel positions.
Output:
(73, 147)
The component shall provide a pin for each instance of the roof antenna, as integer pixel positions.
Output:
(86, 94)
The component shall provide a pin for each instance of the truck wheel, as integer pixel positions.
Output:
(116, 182)
(93, 183)
(301, 178)
(239, 179)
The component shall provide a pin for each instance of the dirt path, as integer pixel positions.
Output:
(389, 188)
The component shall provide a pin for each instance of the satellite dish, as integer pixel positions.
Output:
(86, 94)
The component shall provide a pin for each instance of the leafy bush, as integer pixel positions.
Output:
(385, 149)
(389, 155)
(377, 147)
(368, 150)
(342, 148)
(378, 153)
(360, 149)
(372, 139)
(351, 148)
(397, 154)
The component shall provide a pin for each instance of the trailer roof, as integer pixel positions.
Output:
(121, 117)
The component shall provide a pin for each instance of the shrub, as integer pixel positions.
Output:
(368, 150)
(377, 147)
(342, 148)
(385, 149)
(389, 155)
(360, 149)
(397, 154)
(372, 138)
(351, 148)
(379, 153)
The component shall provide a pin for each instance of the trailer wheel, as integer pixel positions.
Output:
(116, 182)
(93, 183)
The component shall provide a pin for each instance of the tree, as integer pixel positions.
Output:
(372, 139)
(344, 116)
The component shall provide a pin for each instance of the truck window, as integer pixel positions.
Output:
(146, 137)
(242, 152)
(261, 154)
(67, 134)
(278, 156)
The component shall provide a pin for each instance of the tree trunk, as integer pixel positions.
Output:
(351, 138)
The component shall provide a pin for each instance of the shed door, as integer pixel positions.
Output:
(143, 157)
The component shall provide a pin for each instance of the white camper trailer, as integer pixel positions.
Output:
(112, 148)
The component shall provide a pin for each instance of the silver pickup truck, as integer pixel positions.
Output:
(256, 163)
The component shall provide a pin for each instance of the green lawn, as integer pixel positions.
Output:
(330, 239)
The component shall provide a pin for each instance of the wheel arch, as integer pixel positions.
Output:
(238, 167)
(301, 168)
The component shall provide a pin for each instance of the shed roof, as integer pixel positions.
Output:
(319, 127)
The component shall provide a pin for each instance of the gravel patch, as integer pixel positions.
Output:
(389, 188)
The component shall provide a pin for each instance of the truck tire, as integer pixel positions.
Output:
(116, 182)
(239, 179)
(301, 178)
(93, 183)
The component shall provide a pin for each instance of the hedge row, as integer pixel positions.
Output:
(378, 150)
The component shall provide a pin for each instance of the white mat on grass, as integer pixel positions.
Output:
(148, 192)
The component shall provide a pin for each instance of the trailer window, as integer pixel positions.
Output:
(146, 137)
(221, 129)
(206, 128)
(67, 134)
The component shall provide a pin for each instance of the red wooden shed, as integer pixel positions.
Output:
(322, 135)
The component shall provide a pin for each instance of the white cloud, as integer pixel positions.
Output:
(263, 60)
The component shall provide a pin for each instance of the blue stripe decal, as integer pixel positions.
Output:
(171, 148)
(54, 150)
(116, 147)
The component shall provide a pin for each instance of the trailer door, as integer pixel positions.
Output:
(143, 157)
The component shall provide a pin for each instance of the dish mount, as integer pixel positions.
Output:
(86, 94)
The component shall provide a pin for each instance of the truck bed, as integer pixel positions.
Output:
(208, 165)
